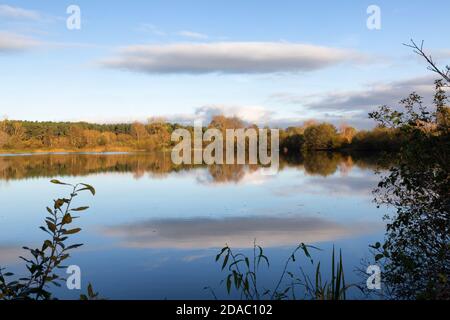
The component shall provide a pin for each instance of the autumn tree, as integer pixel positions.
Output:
(309, 123)
(321, 137)
(291, 139)
(159, 131)
(138, 131)
(347, 133)
(222, 123)
(77, 137)
(92, 137)
(4, 137)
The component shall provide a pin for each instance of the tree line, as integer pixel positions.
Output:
(156, 135)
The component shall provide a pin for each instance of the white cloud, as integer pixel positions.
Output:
(12, 42)
(192, 35)
(230, 57)
(17, 13)
(150, 28)
(250, 114)
(443, 54)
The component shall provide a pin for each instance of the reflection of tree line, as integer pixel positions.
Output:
(160, 164)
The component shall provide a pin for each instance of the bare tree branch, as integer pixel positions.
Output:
(444, 73)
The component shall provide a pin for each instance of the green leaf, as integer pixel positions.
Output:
(59, 203)
(229, 284)
(43, 229)
(47, 243)
(72, 231)
(67, 219)
(225, 261)
(74, 246)
(376, 245)
(64, 257)
(51, 226)
(59, 182)
(246, 284)
(379, 256)
(80, 209)
(220, 254)
(235, 263)
(87, 187)
(247, 262)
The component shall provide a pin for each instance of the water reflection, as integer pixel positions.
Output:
(160, 165)
(238, 232)
(9, 254)
(148, 212)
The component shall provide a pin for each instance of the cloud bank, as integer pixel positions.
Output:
(374, 96)
(366, 99)
(230, 57)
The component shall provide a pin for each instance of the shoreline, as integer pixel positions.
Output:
(18, 152)
(25, 152)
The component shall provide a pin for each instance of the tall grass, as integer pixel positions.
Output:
(243, 276)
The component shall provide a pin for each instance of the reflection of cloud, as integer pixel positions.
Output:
(229, 57)
(238, 174)
(235, 231)
(335, 185)
(10, 254)
(195, 257)
(257, 177)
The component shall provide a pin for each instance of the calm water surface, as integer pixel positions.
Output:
(153, 229)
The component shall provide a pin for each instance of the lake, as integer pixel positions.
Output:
(153, 229)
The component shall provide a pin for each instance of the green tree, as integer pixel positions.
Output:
(321, 137)
(416, 249)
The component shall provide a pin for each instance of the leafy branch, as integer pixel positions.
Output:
(44, 262)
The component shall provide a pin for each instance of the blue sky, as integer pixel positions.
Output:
(274, 62)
